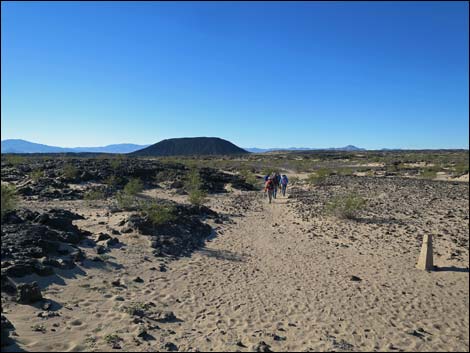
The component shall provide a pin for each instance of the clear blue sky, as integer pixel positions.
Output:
(260, 74)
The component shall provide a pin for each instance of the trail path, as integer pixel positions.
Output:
(263, 281)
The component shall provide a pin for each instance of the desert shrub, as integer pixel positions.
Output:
(125, 201)
(112, 181)
(267, 171)
(95, 194)
(163, 175)
(345, 171)
(294, 180)
(115, 163)
(197, 197)
(159, 214)
(319, 176)
(346, 206)
(9, 199)
(461, 169)
(193, 186)
(250, 177)
(69, 171)
(428, 173)
(36, 175)
(133, 187)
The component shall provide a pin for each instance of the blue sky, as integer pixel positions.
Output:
(260, 74)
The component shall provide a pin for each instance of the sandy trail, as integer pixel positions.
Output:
(262, 279)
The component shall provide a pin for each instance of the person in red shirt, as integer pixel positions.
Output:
(269, 188)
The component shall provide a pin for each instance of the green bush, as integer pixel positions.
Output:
(428, 173)
(69, 171)
(319, 176)
(163, 175)
(93, 195)
(125, 201)
(250, 178)
(159, 214)
(197, 197)
(133, 187)
(346, 206)
(345, 171)
(126, 198)
(36, 175)
(461, 169)
(112, 181)
(193, 186)
(9, 199)
(115, 163)
(267, 171)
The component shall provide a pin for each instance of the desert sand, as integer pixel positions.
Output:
(269, 279)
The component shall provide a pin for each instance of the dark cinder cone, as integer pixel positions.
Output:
(425, 261)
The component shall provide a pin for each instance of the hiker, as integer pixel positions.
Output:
(284, 182)
(266, 177)
(277, 182)
(269, 188)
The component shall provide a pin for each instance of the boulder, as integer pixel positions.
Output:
(27, 293)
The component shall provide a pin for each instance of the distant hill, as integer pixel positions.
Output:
(263, 150)
(190, 146)
(22, 146)
(180, 146)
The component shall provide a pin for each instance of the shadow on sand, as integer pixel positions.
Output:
(451, 269)
(222, 255)
(57, 278)
(13, 347)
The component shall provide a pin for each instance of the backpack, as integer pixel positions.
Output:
(269, 185)
(284, 180)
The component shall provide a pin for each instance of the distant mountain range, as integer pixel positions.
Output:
(263, 150)
(190, 146)
(180, 146)
(22, 146)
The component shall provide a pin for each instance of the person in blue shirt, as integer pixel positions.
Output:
(284, 182)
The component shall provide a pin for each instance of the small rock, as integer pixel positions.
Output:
(116, 283)
(240, 344)
(100, 249)
(165, 316)
(102, 237)
(46, 305)
(262, 347)
(47, 314)
(112, 242)
(28, 293)
(171, 347)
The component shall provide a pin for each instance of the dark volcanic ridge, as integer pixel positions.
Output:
(188, 146)
(53, 184)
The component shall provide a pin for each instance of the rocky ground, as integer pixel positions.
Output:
(237, 274)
